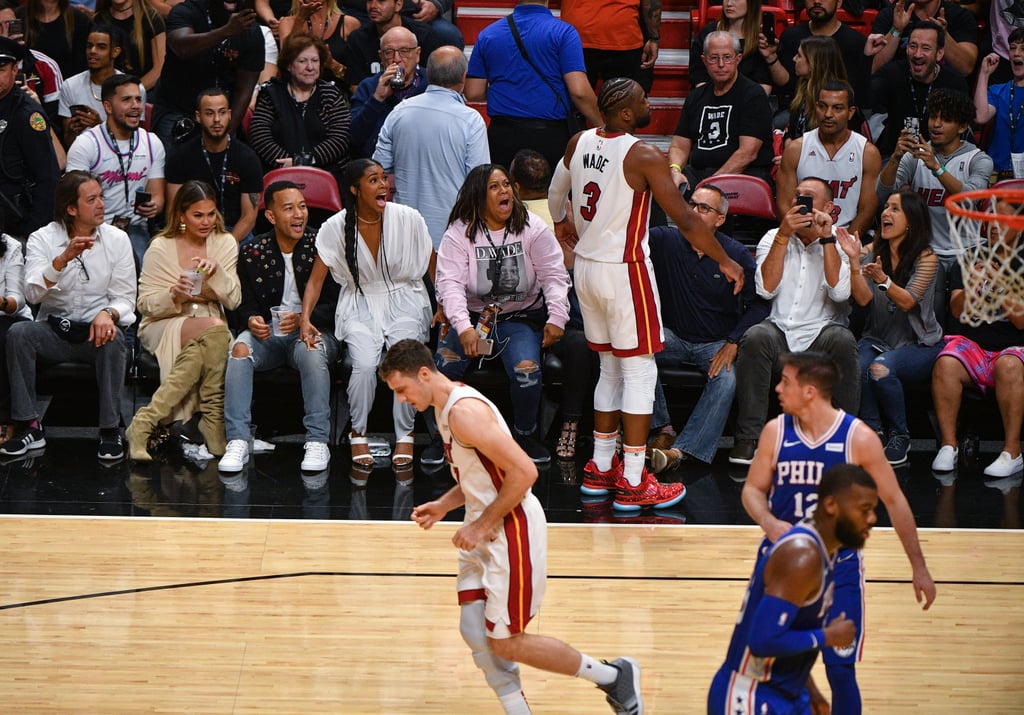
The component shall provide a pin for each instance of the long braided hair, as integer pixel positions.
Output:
(350, 201)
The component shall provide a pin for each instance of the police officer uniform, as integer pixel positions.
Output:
(28, 164)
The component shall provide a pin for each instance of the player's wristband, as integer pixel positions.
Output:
(772, 635)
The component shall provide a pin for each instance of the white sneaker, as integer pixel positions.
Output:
(1005, 484)
(1005, 465)
(945, 460)
(260, 446)
(318, 456)
(235, 456)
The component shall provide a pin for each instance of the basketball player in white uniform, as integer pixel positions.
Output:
(613, 176)
(842, 157)
(503, 540)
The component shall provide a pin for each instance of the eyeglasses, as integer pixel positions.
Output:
(85, 273)
(720, 59)
(403, 51)
(703, 208)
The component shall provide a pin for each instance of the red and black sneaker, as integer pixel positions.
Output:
(649, 492)
(596, 482)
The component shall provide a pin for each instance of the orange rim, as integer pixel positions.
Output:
(963, 205)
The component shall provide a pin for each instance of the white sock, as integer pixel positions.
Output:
(515, 704)
(633, 463)
(596, 672)
(604, 449)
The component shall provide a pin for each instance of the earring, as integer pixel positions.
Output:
(181, 227)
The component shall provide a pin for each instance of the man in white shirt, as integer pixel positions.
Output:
(81, 272)
(807, 280)
(126, 159)
(80, 104)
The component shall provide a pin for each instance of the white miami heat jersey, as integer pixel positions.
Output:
(479, 478)
(611, 218)
(844, 172)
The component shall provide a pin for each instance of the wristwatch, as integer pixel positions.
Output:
(110, 312)
(885, 286)
(826, 240)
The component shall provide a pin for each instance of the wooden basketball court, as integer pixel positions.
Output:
(219, 616)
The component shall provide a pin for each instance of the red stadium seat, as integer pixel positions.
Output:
(318, 186)
(751, 206)
(1016, 184)
(747, 195)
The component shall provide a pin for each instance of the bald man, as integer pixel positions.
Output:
(431, 142)
(375, 97)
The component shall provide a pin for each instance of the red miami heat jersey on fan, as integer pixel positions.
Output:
(605, 207)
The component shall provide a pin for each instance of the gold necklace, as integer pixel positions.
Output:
(368, 221)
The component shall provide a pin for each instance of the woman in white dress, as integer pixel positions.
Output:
(378, 252)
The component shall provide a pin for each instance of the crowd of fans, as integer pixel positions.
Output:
(136, 135)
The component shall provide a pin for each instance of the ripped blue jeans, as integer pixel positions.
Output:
(883, 373)
(521, 358)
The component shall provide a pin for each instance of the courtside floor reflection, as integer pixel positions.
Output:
(67, 479)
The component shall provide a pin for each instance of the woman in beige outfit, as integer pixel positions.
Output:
(187, 333)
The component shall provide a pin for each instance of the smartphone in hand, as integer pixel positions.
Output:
(806, 204)
(768, 27)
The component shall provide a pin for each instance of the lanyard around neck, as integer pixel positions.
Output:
(218, 186)
(132, 146)
(1014, 116)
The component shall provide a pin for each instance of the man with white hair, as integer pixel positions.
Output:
(725, 127)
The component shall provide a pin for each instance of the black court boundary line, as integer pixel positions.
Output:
(302, 574)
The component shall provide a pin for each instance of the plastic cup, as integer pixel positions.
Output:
(276, 314)
(197, 281)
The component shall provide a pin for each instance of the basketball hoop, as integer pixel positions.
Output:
(986, 228)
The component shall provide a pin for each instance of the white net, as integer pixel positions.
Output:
(986, 228)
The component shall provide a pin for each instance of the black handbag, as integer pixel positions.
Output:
(74, 331)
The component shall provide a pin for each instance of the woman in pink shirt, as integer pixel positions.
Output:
(496, 253)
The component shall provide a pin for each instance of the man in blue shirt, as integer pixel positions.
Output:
(431, 142)
(375, 97)
(529, 101)
(703, 325)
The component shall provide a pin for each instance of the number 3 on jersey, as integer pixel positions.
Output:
(592, 193)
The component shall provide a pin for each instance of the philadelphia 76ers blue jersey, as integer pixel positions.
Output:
(745, 672)
(800, 462)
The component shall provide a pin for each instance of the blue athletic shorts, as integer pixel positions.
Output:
(735, 694)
